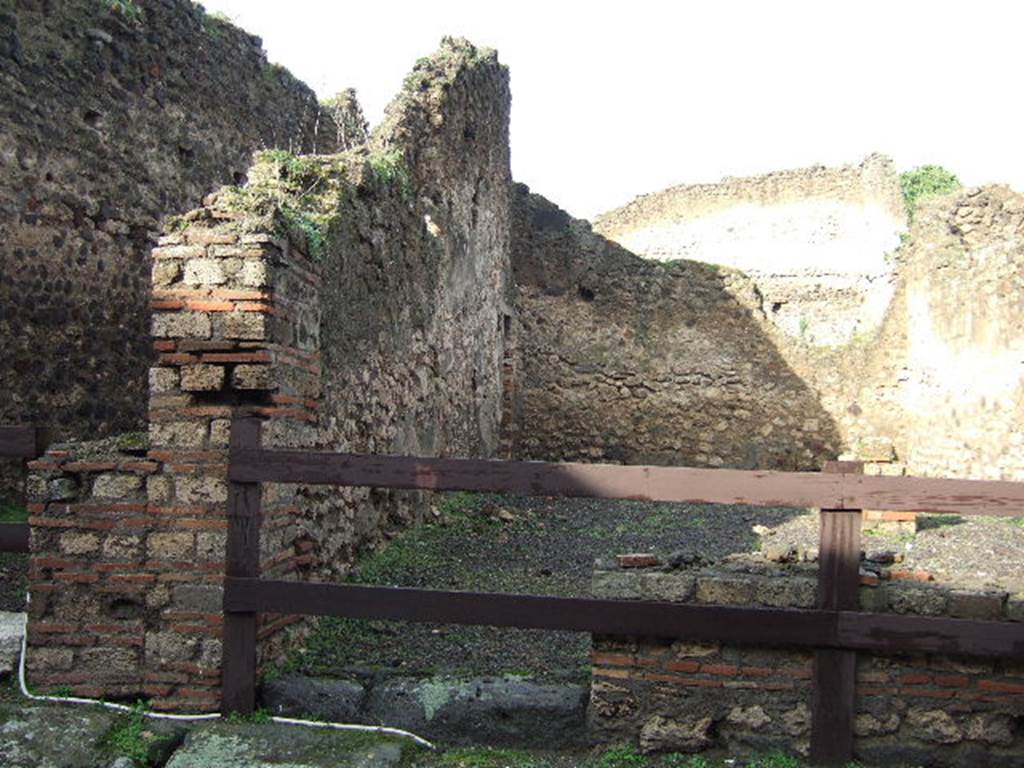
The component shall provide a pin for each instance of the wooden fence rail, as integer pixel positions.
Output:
(843, 490)
(19, 443)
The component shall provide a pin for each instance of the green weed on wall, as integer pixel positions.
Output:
(926, 181)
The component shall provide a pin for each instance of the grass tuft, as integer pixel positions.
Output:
(926, 181)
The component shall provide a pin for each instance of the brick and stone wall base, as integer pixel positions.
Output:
(125, 596)
(691, 697)
(129, 547)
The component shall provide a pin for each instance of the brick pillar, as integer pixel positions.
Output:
(236, 331)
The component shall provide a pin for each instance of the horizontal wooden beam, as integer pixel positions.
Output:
(731, 624)
(888, 634)
(613, 617)
(14, 537)
(22, 442)
(645, 483)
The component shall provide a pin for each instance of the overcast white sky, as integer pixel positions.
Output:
(612, 102)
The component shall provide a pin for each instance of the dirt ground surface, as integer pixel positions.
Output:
(525, 545)
(967, 552)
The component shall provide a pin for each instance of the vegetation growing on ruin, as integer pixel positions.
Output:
(127, 8)
(438, 71)
(129, 737)
(926, 181)
(390, 167)
(616, 756)
(298, 197)
(215, 24)
(303, 197)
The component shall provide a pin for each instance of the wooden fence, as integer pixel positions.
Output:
(836, 630)
(19, 443)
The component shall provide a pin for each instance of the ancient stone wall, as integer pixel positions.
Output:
(816, 241)
(940, 383)
(416, 291)
(624, 359)
(107, 125)
(691, 697)
(352, 302)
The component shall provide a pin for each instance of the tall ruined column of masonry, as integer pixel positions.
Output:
(128, 550)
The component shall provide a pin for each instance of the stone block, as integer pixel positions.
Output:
(617, 585)
(965, 604)
(660, 734)
(159, 488)
(182, 325)
(163, 380)
(122, 547)
(200, 490)
(867, 724)
(177, 434)
(107, 660)
(682, 649)
(202, 378)
(62, 489)
(990, 728)
(787, 592)
(211, 546)
(165, 272)
(204, 272)
(166, 647)
(921, 600)
(159, 596)
(797, 721)
(211, 652)
(77, 543)
(726, 590)
(170, 545)
(753, 717)
(49, 659)
(178, 251)
(671, 587)
(206, 236)
(115, 485)
(244, 325)
(35, 488)
(253, 274)
(934, 725)
(199, 598)
(254, 377)
(220, 433)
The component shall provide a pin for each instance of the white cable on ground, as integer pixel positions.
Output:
(382, 729)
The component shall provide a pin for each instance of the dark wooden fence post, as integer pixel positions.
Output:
(835, 671)
(243, 559)
(23, 442)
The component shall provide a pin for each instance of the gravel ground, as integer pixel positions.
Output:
(970, 552)
(526, 545)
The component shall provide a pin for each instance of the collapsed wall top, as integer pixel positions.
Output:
(451, 114)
